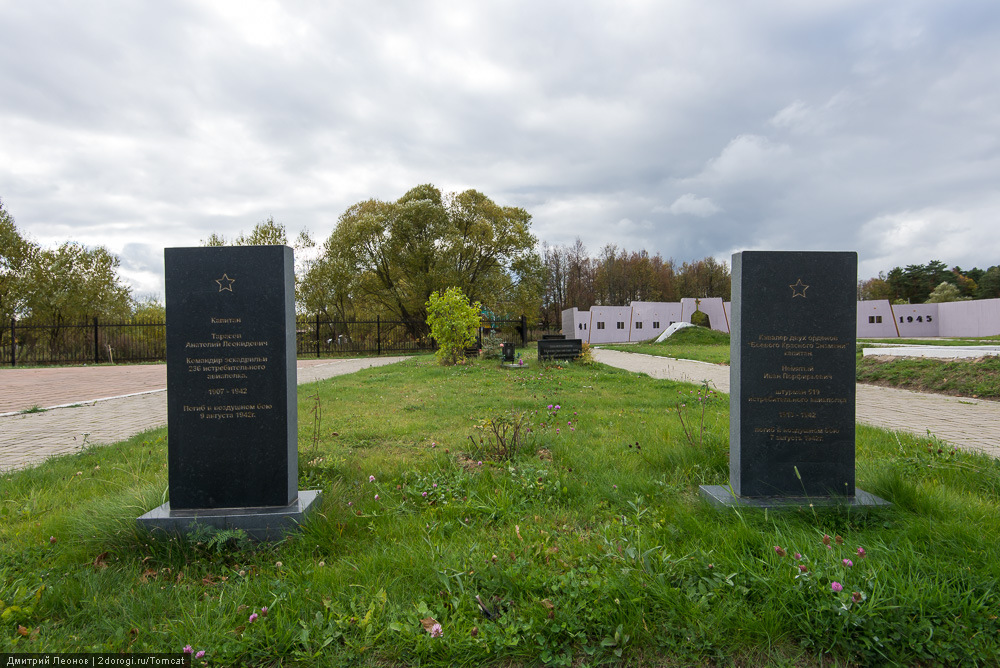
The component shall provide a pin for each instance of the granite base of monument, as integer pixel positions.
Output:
(269, 523)
(723, 497)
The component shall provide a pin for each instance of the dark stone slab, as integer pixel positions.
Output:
(231, 391)
(792, 374)
(560, 349)
(232, 437)
(507, 352)
(552, 337)
(259, 523)
(722, 497)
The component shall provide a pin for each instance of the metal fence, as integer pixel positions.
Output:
(91, 341)
(322, 337)
(27, 342)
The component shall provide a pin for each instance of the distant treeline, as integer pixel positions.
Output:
(617, 277)
(383, 259)
(63, 284)
(934, 281)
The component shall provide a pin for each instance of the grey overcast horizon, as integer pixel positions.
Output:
(684, 128)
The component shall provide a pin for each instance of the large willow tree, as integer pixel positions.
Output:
(386, 258)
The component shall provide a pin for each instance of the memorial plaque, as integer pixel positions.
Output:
(231, 377)
(560, 349)
(231, 387)
(792, 371)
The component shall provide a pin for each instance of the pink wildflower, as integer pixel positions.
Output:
(836, 586)
(200, 654)
(253, 617)
(856, 597)
(780, 550)
(848, 563)
(798, 555)
(802, 568)
(376, 497)
(263, 609)
(861, 553)
(188, 649)
(437, 631)
(371, 478)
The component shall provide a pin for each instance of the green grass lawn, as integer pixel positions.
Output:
(590, 545)
(963, 341)
(962, 377)
(692, 343)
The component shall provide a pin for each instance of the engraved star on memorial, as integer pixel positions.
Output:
(799, 289)
(225, 283)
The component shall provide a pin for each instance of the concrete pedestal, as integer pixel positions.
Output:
(267, 523)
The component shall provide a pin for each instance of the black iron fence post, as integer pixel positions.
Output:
(317, 334)
(96, 349)
(378, 333)
(524, 330)
(13, 351)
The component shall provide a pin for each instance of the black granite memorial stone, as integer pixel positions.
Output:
(231, 377)
(560, 349)
(507, 352)
(792, 376)
(231, 386)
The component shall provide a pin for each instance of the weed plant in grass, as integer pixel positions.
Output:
(693, 343)
(588, 545)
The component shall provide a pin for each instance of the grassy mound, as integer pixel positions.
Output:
(694, 343)
(696, 336)
(960, 377)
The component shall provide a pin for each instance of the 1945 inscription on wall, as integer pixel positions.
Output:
(793, 373)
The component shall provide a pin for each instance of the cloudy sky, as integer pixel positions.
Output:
(686, 128)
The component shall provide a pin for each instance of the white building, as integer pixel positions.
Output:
(642, 321)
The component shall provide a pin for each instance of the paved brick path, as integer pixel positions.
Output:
(83, 412)
(26, 439)
(971, 424)
(45, 388)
